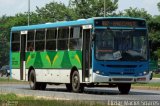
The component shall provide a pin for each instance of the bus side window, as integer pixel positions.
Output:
(51, 39)
(75, 42)
(30, 41)
(63, 34)
(15, 41)
(40, 40)
(30, 46)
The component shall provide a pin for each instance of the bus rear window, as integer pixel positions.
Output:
(15, 36)
(15, 41)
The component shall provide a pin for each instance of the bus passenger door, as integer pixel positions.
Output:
(86, 55)
(22, 54)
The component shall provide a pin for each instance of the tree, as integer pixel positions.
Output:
(55, 12)
(154, 33)
(4, 42)
(93, 8)
(139, 13)
(158, 6)
(154, 26)
(6, 24)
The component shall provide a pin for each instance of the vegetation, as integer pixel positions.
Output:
(148, 85)
(76, 9)
(14, 100)
(93, 8)
(7, 80)
(156, 75)
(11, 81)
(11, 96)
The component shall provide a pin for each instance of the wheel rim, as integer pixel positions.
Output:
(32, 80)
(75, 81)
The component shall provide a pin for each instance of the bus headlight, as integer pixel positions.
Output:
(145, 72)
(97, 72)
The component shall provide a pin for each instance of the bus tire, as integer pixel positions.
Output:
(42, 86)
(32, 81)
(124, 88)
(75, 83)
(69, 87)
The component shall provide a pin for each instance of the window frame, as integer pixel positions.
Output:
(14, 42)
(41, 40)
(30, 41)
(76, 38)
(54, 39)
(61, 39)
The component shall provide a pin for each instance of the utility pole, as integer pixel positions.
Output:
(104, 8)
(28, 12)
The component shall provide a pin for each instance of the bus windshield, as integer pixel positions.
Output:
(124, 45)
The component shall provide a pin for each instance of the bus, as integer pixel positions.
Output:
(100, 51)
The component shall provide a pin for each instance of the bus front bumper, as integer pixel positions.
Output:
(120, 79)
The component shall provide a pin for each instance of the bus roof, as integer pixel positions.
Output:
(67, 23)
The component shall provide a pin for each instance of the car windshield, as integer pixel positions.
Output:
(125, 45)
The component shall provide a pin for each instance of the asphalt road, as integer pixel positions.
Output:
(60, 93)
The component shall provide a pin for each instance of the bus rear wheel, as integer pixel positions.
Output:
(124, 88)
(75, 83)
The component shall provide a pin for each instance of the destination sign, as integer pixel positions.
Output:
(120, 23)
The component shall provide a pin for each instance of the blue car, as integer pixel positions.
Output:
(5, 70)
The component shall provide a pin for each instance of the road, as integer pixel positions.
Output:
(60, 93)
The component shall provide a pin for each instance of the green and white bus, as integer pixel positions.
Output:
(85, 52)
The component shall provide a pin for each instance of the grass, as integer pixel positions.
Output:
(148, 84)
(14, 100)
(8, 80)
(156, 75)
(11, 96)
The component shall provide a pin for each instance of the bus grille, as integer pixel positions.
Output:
(121, 73)
(122, 66)
(122, 79)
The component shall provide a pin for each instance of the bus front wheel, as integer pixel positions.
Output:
(124, 88)
(69, 87)
(75, 82)
(32, 80)
(34, 85)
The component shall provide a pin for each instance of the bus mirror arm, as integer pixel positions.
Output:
(93, 37)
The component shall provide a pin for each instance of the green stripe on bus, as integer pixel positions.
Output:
(50, 59)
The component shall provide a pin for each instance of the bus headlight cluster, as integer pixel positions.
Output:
(145, 72)
(99, 72)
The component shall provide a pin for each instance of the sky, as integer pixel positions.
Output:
(12, 7)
